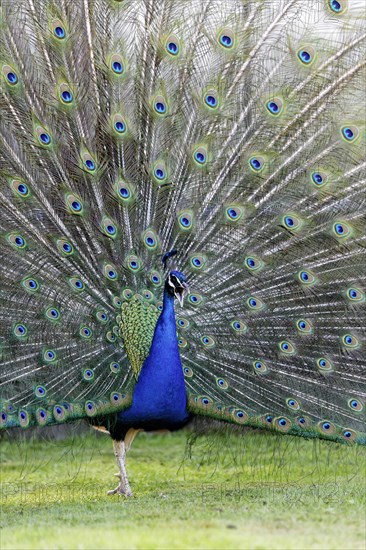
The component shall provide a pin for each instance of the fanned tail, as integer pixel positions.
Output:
(231, 131)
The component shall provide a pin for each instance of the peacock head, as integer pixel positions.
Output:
(176, 285)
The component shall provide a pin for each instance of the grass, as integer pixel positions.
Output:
(255, 491)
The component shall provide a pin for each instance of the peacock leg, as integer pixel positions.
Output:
(123, 488)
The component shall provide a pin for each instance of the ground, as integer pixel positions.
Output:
(255, 491)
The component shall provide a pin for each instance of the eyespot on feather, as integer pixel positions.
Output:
(20, 188)
(30, 284)
(253, 263)
(173, 46)
(337, 7)
(239, 416)
(350, 341)
(116, 64)
(187, 371)
(238, 326)
(292, 222)
(150, 240)
(350, 133)
(275, 106)
(64, 247)
(306, 277)
(254, 303)
(286, 347)
(133, 263)
(326, 427)
(260, 367)
(200, 156)
(226, 39)
(10, 76)
(88, 163)
(119, 126)
(306, 55)
(355, 295)
(324, 365)
(233, 213)
(355, 405)
(282, 424)
(160, 105)
(42, 136)
(74, 204)
(208, 341)
(185, 220)
(58, 30)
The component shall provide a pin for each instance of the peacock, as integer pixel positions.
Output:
(183, 216)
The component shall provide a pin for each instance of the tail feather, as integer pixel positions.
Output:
(229, 131)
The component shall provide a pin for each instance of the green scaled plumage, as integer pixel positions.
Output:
(229, 130)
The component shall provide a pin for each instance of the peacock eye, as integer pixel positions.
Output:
(160, 106)
(195, 299)
(117, 64)
(40, 391)
(12, 78)
(274, 106)
(283, 424)
(355, 295)
(306, 55)
(304, 326)
(52, 313)
(341, 230)
(324, 364)
(200, 156)
(49, 355)
(30, 284)
(350, 341)
(355, 405)
(119, 126)
(293, 404)
(88, 374)
(76, 284)
(45, 138)
(287, 347)
(306, 277)
(172, 46)
(254, 303)
(185, 220)
(59, 32)
(260, 367)
(335, 6)
(256, 164)
(187, 372)
(16, 241)
(226, 39)
(20, 330)
(327, 427)
(253, 263)
(349, 133)
(318, 179)
(208, 341)
(211, 99)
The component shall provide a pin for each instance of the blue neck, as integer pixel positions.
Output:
(159, 395)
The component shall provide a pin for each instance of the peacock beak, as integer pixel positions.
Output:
(181, 292)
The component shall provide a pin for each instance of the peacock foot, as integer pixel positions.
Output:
(122, 488)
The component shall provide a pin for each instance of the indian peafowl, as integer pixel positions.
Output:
(209, 151)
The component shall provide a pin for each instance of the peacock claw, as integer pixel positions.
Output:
(121, 491)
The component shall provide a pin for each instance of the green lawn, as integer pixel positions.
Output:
(255, 491)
